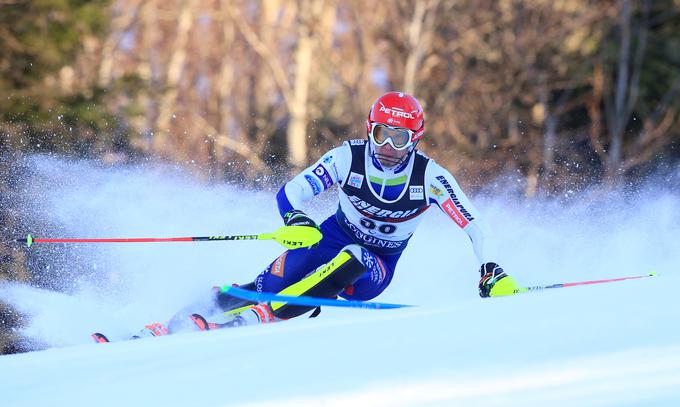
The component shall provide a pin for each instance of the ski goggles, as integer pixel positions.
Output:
(398, 137)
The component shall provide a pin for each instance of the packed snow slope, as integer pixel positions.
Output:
(615, 344)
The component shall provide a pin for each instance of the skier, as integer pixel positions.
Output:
(385, 186)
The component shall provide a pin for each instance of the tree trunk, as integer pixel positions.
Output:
(174, 75)
(419, 32)
(309, 12)
(120, 25)
(297, 128)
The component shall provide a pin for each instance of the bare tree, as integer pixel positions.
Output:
(626, 145)
(626, 90)
(173, 76)
(511, 85)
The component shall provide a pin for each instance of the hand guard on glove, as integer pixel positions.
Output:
(298, 218)
(494, 281)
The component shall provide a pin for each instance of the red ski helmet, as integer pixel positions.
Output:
(397, 110)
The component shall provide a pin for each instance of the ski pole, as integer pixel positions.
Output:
(521, 290)
(290, 237)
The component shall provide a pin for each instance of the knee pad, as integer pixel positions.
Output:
(354, 250)
(326, 281)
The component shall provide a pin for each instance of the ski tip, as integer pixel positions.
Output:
(100, 338)
(653, 274)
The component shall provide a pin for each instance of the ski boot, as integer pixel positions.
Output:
(204, 325)
(253, 314)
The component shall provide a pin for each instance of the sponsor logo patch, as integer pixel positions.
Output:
(321, 172)
(416, 192)
(374, 266)
(395, 112)
(455, 203)
(356, 142)
(278, 265)
(454, 213)
(316, 188)
(355, 180)
(377, 212)
(328, 159)
(372, 240)
(436, 191)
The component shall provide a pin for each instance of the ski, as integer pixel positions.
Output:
(307, 301)
(158, 329)
(149, 331)
(202, 324)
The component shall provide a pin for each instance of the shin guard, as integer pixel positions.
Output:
(326, 281)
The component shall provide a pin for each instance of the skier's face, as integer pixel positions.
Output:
(388, 156)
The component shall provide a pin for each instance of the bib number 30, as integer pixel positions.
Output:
(384, 228)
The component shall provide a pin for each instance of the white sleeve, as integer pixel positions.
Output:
(483, 241)
(447, 194)
(330, 169)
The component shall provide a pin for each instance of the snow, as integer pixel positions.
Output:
(615, 344)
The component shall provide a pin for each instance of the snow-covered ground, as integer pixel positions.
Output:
(614, 344)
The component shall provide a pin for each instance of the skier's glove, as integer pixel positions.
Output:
(494, 281)
(298, 218)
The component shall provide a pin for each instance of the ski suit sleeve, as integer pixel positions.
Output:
(444, 191)
(330, 169)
